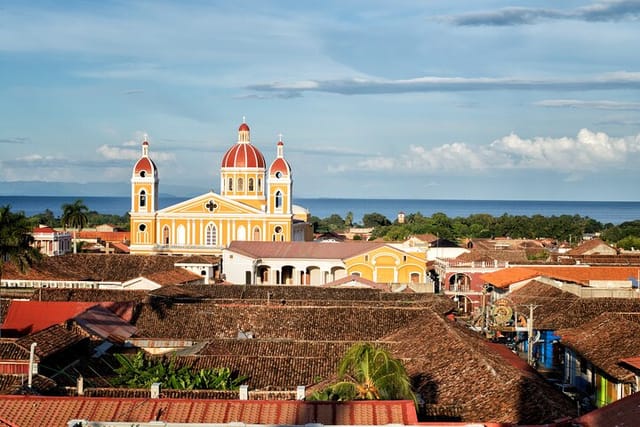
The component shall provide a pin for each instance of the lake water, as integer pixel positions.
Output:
(605, 212)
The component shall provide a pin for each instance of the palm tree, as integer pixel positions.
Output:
(369, 372)
(16, 241)
(74, 215)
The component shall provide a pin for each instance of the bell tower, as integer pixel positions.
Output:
(144, 183)
(280, 183)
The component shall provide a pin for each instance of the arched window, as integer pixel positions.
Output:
(256, 234)
(143, 199)
(210, 235)
(165, 235)
(241, 234)
(250, 184)
(259, 185)
(277, 234)
(278, 199)
(240, 184)
(230, 185)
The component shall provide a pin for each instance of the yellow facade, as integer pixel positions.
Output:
(387, 264)
(252, 206)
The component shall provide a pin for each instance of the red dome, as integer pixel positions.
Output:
(280, 165)
(243, 127)
(144, 164)
(243, 155)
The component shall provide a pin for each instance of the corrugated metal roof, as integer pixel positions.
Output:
(105, 324)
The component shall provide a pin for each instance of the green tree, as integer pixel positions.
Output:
(16, 241)
(629, 243)
(369, 372)
(375, 219)
(141, 372)
(74, 215)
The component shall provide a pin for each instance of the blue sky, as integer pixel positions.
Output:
(534, 100)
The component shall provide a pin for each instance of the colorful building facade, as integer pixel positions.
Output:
(254, 204)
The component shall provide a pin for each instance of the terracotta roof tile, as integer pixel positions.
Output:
(39, 410)
(624, 412)
(295, 250)
(175, 276)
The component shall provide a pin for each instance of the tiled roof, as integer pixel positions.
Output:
(92, 267)
(549, 301)
(605, 341)
(175, 276)
(105, 236)
(198, 259)
(622, 413)
(485, 255)
(51, 340)
(297, 250)
(589, 246)
(356, 281)
(57, 411)
(508, 276)
(17, 384)
(577, 274)
(11, 350)
(121, 247)
(453, 366)
(583, 310)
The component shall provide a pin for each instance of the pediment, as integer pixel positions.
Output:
(210, 203)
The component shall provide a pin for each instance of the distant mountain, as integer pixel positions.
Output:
(101, 189)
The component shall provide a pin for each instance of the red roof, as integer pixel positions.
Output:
(623, 413)
(576, 274)
(144, 164)
(25, 317)
(280, 165)
(44, 229)
(243, 127)
(58, 411)
(243, 155)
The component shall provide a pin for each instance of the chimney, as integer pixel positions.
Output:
(300, 392)
(244, 392)
(80, 385)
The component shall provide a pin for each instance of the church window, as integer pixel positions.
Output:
(278, 174)
(277, 234)
(211, 205)
(143, 199)
(250, 182)
(240, 184)
(142, 227)
(165, 235)
(259, 185)
(256, 234)
(230, 185)
(210, 237)
(278, 200)
(143, 173)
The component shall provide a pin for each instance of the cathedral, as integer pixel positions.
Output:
(254, 204)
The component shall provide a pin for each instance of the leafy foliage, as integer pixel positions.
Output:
(141, 372)
(16, 240)
(368, 372)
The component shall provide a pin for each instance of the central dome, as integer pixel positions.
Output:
(243, 154)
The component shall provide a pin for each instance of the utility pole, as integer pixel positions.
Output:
(530, 334)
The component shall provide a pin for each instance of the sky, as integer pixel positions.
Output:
(474, 99)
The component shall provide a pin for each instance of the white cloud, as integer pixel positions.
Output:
(585, 153)
(113, 152)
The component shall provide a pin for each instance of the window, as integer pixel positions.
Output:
(142, 227)
(230, 184)
(210, 237)
(143, 199)
(165, 235)
(143, 174)
(278, 174)
(259, 185)
(250, 184)
(256, 234)
(278, 199)
(240, 184)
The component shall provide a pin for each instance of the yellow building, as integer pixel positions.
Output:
(254, 204)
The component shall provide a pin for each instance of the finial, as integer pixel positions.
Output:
(244, 119)
(145, 137)
(280, 137)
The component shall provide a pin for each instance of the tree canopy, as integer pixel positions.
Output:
(368, 372)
